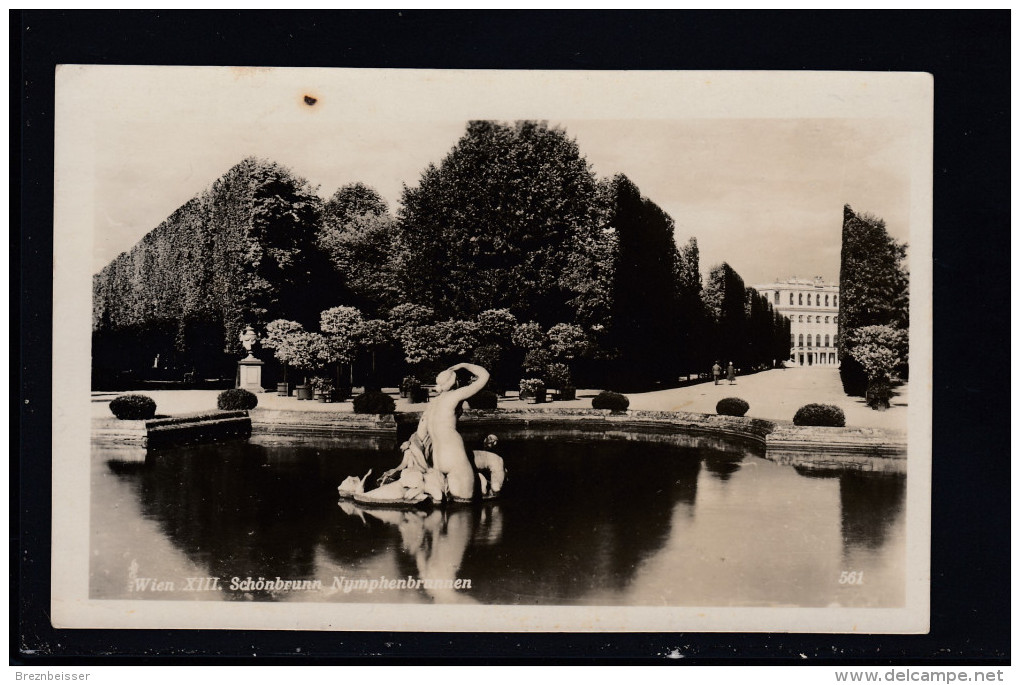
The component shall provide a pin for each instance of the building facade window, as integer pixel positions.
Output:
(826, 300)
(835, 300)
(826, 340)
(818, 340)
(791, 299)
(800, 319)
(826, 319)
(818, 299)
(776, 298)
(800, 298)
(835, 319)
(800, 340)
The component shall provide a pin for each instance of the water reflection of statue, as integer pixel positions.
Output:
(438, 540)
(248, 338)
(436, 464)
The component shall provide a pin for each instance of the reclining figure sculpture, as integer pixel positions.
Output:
(436, 465)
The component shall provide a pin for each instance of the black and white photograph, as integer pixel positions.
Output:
(427, 350)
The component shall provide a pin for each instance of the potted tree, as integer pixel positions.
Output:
(533, 390)
(340, 326)
(325, 390)
(374, 336)
(535, 366)
(278, 339)
(495, 350)
(307, 348)
(557, 376)
(567, 342)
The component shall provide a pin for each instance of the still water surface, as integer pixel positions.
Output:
(590, 523)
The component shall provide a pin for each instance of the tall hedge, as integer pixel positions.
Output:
(241, 252)
(645, 326)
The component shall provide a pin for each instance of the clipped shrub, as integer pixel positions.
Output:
(731, 406)
(133, 407)
(374, 402)
(484, 399)
(238, 398)
(819, 415)
(607, 399)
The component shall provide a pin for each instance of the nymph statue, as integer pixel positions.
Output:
(436, 464)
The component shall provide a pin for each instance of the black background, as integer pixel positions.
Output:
(968, 53)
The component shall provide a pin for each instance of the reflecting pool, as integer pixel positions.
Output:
(580, 523)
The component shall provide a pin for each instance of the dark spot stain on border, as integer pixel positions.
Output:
(310, 101)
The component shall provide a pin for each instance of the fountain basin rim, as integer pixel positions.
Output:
(868, 449)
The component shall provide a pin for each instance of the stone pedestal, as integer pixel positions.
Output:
(249, 374)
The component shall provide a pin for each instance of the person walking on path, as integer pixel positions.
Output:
(716, 372)
(731, 374)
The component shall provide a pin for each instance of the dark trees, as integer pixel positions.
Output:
(494, 225)
(694, 353)
(874, 291)
(645, 327)
(724, 302)
(359, 237)
(743, 327)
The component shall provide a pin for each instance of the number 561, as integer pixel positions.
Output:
(851, 578)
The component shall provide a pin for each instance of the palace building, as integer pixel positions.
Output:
(813, 309)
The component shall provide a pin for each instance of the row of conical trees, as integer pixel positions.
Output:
(512, 220)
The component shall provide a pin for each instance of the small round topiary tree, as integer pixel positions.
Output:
(607, 399)
(133, 407)
(374, 402)
(820, 415)
(485, 399)
(732, 406)
(235, 399)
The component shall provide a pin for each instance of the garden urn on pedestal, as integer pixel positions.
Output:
(249, 369)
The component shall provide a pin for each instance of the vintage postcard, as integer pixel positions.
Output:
(416, 350)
